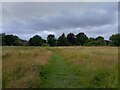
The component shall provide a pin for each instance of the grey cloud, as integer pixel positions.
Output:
(27, 19)
(66, 21)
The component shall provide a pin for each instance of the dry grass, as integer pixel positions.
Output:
(21, 65)
(92, 66)
(101, 56)
(100, 62)
(0, 67)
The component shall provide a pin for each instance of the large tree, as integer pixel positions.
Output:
(71, 39)
(51, 40)
(81, 38)
(115, 39)
(62, 40)
(99, 41)
(90, 42)
(10, 40)
(36, 41)
(2, 39)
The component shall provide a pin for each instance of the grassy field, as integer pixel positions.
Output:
(60, 67)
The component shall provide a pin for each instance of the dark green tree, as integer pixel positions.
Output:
(71, 39)
(2, 39)
(19, 42)
(90, 42)
(115, 40)
(99, 41)
(51, 40)
(81, 38)
(10, 40)
(36, 41)
(107, 42)
(62, 40)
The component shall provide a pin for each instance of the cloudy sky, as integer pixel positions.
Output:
(26, 19)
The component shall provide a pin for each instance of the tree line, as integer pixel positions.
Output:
(71, 39)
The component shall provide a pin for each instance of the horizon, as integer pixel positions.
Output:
(55, 36)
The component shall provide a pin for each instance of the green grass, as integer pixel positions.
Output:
(0, 67)
(60, 67)
(99, 65)
(58, 74)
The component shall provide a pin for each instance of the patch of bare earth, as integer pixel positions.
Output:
(44, 58)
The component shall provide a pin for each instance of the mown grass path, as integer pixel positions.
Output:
(58, 74)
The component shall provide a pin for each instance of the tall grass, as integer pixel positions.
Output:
(0, 67)
(21, 65)
(96, 66)
(90, 67)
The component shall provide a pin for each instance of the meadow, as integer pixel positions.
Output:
(59, 67)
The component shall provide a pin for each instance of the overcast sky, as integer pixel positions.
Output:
(26, 19)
